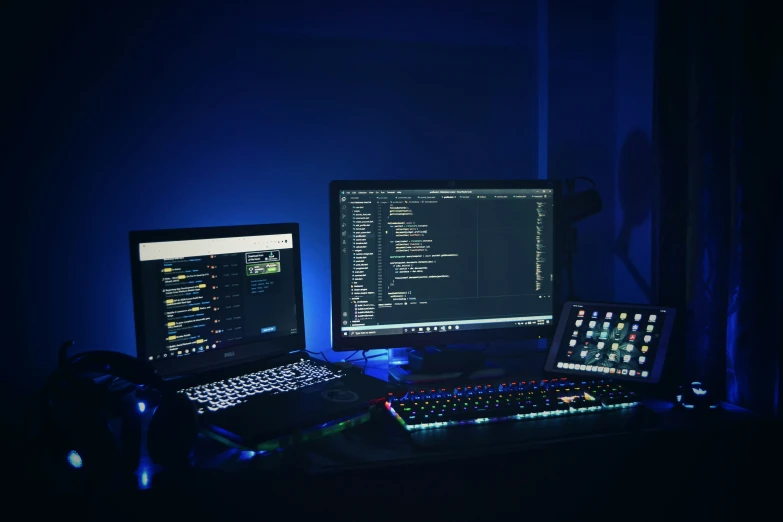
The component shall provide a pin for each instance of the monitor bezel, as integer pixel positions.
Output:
(661, 350)
(346, 344)
(244, 353)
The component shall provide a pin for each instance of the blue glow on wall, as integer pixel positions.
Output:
(207, 121)
(198, 118)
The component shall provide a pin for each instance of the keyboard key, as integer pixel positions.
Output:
(476, 404)
(216, 396)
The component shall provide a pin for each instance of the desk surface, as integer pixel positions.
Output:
(383, 444)
(715, 468)
(644, 446)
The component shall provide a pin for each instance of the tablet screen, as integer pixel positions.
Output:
(618, 341)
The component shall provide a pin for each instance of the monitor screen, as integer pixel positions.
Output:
(619, 341)
(208, 297)
(418, 263)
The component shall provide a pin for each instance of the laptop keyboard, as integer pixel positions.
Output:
(231, 392)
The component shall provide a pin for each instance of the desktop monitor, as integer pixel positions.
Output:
(208, 297)
(432, 263)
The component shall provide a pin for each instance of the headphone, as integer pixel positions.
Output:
(106, 412)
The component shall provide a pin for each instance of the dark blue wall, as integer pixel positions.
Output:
(600, 88)
(132, 119)
(582, 94)
(191, 118)
(634, 30)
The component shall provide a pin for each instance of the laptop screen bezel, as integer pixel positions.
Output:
(252, 351)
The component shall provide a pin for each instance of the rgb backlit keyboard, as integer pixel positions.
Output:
(231, 392)
(476, 404)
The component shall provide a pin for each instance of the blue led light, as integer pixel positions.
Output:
(74, 459)
(145, 472)
(144, 475)
(514, 417)
(142, 407)
(247, 455)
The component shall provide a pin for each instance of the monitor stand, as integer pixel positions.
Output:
(437, 363)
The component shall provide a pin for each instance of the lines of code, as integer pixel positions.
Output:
(417, 256)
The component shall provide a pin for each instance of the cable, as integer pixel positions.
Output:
(318, 353)
(585, 178)
(348, 359)
(323, 355)
(366, 358)
(572, 236)
(570, 263)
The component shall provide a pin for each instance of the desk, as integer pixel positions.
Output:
(633, 462)
(706, 467)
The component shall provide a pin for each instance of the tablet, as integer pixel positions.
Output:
(609, 340)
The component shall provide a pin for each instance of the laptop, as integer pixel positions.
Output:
(219, 314)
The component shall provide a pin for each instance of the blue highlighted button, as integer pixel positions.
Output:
(268, 329)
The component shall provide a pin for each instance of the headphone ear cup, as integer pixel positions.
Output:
(92, 438)
(172, 431)
(83, 453)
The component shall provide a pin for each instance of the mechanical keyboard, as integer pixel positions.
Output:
(231, 392)
(477, 404)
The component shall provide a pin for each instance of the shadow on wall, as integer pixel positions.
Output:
(592, 249)
(634, 186)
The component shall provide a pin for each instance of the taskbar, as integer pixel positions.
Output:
(446, 326)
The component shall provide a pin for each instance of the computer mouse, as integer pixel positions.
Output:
(696, 396)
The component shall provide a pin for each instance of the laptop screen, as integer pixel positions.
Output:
(205, 298)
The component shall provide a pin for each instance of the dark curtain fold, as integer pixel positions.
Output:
(732, 215)
(711, 99)
(733, 239)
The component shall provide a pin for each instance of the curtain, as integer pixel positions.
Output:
(732, 221)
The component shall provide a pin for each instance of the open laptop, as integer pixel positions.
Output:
(219, 314)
